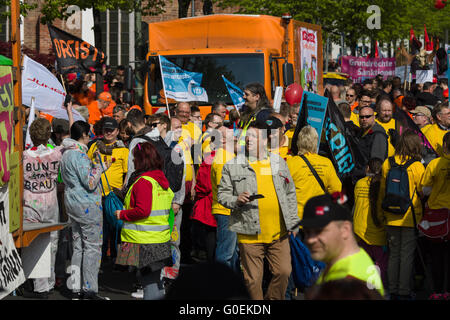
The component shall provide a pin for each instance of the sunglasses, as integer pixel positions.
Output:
(366, 117)
(350, 95)
(154, 124)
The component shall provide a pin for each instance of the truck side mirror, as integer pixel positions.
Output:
(129, 78)
(288, 74)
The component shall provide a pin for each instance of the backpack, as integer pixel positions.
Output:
(305, 270)
(172, 171)
(397, 199)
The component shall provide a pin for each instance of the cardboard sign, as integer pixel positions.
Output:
(423, 76)
(316, 110)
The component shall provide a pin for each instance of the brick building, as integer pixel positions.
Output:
(117, 43)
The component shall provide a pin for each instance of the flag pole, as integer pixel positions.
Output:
(164, 86)
(62, 82)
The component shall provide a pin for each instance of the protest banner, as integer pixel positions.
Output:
(11, 270)
(423, 76)
(6, 121)
(360, 68)
(235, 92)
(14, 191)
(343, 148)
(312, 112)
(308, 59)
(181, 85)
(73, 54)
(40, 84)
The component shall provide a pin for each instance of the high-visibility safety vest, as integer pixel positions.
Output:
(155, 228)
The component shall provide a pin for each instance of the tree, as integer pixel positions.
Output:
(57, 9)
(349, 17)
(183, 7)
(24, 8)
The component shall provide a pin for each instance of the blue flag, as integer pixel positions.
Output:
(181, 85)
(236, 94)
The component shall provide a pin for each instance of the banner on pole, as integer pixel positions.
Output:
(73, 54)
(181, 85)
(236, 94)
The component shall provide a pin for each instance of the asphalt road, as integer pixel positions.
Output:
(118, 284)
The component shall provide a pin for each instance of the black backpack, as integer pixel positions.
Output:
(173, 171)
(397, 198)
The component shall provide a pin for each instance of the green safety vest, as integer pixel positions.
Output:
(155, 228)
(359, 266)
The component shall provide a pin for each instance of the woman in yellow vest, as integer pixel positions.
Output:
(146, 231)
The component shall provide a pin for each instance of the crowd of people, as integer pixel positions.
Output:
(227, 189)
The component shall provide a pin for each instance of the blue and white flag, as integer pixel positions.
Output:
(236, 94)
(181, 85)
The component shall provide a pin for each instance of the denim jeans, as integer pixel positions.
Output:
(226, 249)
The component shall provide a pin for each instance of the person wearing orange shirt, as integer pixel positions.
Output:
(102, 107)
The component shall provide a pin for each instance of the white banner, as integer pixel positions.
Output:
(39, 82)
(11, 270)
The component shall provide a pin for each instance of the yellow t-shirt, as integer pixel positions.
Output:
(118, 169)
(190, 130)
(306, 185)
(387, 126)
(289, 134)
(271, 220)
(355, 118)
(363, 224)
(437, 176)
(283, 151)
(415, 172)
(222, 156)
(189, 163)
(435, 136)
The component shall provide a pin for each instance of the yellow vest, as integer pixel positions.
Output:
(155, 228)
(358, 265)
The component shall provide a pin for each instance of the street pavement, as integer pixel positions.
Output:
(118, 284)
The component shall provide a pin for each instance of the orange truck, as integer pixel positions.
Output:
(274, 51)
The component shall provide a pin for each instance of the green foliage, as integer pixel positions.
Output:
(57, 9)
(24, 7)
(350, 16)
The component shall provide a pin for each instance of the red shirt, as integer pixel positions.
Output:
(140, 201)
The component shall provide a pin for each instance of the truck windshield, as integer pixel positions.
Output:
(240, 69)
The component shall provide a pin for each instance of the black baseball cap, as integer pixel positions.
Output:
(110, 123)
(274, 123)
(319, 211)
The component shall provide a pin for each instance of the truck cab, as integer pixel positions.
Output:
(242, 48)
